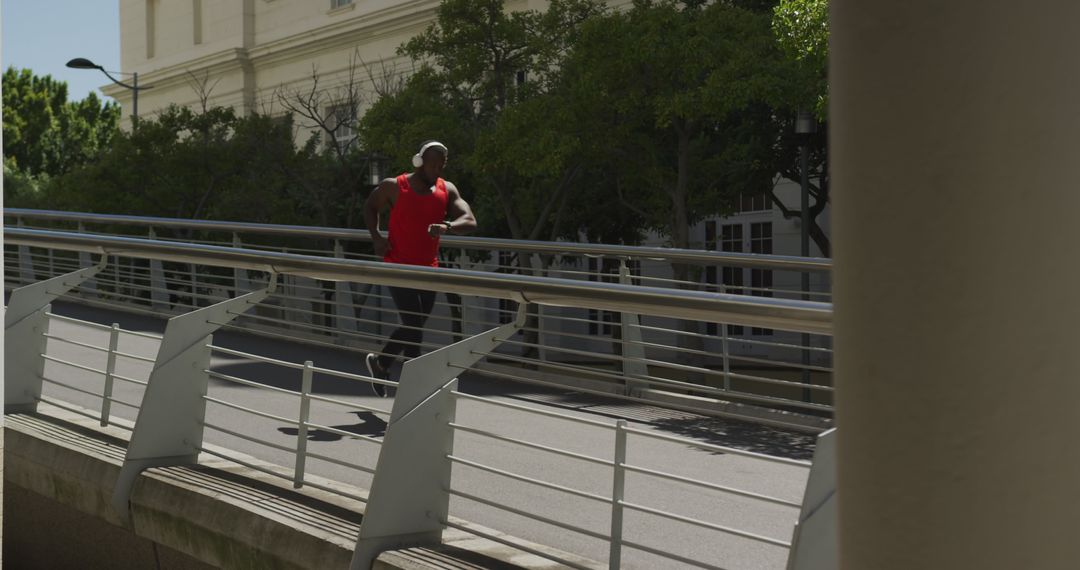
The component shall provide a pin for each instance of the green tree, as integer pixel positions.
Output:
(44, 133)
(802, 31)
(687, 88)
(182, 163)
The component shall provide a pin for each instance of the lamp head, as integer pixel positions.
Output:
(82, 63)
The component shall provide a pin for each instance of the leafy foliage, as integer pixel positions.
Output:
(45, 135)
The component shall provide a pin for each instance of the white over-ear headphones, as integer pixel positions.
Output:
(418, 158)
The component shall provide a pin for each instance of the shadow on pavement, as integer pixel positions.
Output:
(370, 425)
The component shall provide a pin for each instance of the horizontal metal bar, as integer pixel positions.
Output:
(704, 524)
(330, 489)
(718, 448)
(131, 380)
(77, 343)
(670, 556)
(799, 316)
(528, 515)
(520, 407)
(78, 321)
(350, 376)
(669, 405)
(524, 443)
(72, 364)
(72, 408)
(123, 403)
(250, 438)
(247, 464)
(525, 479)
(252, 411)
(70, 387)
(713, 486)
(256, 357)
(346, 403)
(456, 242)
(344, 433)
(339, 462)
(515, 545)
(135, 356)
(253, 384)
(141, 334)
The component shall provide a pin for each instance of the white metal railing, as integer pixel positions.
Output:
(585, 346)
(425, 404)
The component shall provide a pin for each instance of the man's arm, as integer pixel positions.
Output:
(385, 194)
(459, 214)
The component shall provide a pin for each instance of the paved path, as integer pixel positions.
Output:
(736, 553)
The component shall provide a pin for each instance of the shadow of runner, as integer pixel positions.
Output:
(370, 425)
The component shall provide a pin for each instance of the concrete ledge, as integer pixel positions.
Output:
(219, 513)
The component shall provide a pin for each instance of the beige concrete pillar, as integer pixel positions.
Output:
(955, 143)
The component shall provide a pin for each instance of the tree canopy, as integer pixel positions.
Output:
(45, 135)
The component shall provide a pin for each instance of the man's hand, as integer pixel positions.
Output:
(436, 230)
(381, 245)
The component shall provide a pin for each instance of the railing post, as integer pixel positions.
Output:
(26, 262)
(302, 428)
(618, 488)
(814, 540)
(159, 289)
(725, 348)
(169, 427)
(25, 327)
(110, 369)
(410, 497)
(240, 275)
(343, 297)
(89, 287)
(633, 352)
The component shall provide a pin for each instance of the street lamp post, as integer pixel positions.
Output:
(804, 127)
(83, 63)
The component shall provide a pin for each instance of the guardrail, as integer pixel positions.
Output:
(411, 485)
(601, 344)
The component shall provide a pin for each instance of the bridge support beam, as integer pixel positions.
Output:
(169, 427)
(25, 327)
(813, 546)
(409, 499)
(956, 297)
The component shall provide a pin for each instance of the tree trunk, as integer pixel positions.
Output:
(680, 238)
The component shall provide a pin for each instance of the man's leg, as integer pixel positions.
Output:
(414, 306)
(406, 337)
(426, 302)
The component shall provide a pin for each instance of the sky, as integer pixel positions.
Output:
(43, 35)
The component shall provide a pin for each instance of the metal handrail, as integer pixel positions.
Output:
(784, 314)
(779, 262)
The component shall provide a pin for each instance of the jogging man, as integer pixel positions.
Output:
(423, 207)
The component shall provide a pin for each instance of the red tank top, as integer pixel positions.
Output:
(410, 217)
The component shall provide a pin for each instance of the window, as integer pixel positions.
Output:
(754, 203)
(196, 21)
(341, 122)
(761, 279)
(731, 239)
(151, 23)
(339, 3)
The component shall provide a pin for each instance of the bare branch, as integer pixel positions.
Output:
(202, 87)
